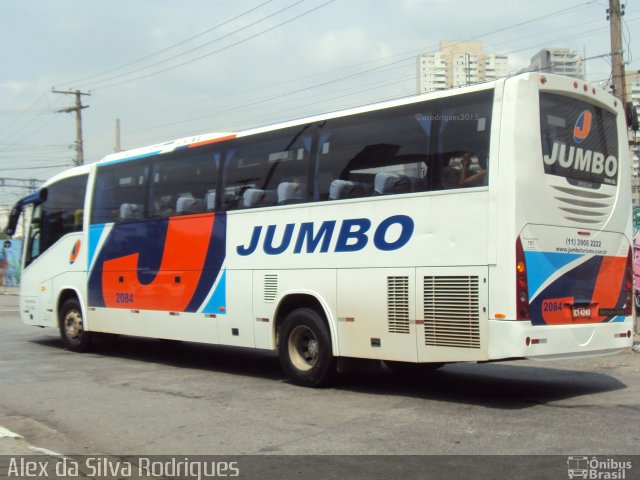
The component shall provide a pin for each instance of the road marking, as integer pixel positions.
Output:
(4, 432)
(44, 451)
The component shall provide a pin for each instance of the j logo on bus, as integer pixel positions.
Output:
(353, 235)
(582, 127)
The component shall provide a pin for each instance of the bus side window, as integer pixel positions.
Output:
(120, 193)
(268, 169)
(183, 183)
(380, 153)
(461, 147)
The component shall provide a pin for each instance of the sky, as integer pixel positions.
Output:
(171, 69)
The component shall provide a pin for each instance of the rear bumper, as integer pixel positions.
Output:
(509, 339)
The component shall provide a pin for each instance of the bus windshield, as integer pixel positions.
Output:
(579, 141)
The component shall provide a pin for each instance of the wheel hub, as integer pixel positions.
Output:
(303, 348)
(73, 324)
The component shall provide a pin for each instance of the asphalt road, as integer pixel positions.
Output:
(145, 397)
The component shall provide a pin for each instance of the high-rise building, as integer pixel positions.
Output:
(457, 64)
(495, 66)
(632, 81)
(561, 61)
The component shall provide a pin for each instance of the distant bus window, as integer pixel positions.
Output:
(120, 193)
(183, 184)
(405, 149)
(269, 169)
(372, 154)
(460, 126)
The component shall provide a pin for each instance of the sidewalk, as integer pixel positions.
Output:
(15, 291)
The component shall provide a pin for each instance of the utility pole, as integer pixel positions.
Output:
(77, 109)
(118, 147)
(614, 15)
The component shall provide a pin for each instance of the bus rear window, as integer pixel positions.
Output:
(579, 141)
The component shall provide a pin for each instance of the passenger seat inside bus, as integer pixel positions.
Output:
(386, 183)
(290, 192)
(210, 200)
(255, 197)
(131, 211)
(345, 189)
(187, 204)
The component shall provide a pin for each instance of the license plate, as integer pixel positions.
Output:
(580, 311)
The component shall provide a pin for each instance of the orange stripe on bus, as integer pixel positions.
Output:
(185, 251)
(609, 282)
(213, 140)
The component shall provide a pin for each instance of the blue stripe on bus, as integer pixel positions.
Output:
(135, 157)
(218, 302)
(542, 265)
(95, 232)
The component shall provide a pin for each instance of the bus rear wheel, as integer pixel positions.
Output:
(74, 336)
(305, 349)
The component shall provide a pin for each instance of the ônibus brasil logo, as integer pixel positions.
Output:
(582, 127)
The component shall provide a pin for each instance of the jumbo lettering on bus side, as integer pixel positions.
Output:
(352, 236)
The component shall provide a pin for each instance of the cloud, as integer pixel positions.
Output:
(13, 87)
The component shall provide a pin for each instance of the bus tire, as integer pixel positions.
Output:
(74, 336)
(305, 349)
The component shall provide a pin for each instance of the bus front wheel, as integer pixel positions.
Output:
(305, 349)
(74, 336)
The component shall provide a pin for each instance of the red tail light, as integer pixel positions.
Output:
(628, 284)
(522, 290)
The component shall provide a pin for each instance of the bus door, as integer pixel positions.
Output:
(54, 256)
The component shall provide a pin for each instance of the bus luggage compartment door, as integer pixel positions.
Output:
(376, 313)
(451, 313)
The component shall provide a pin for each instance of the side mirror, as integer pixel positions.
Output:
(36, 198)
(13, 221)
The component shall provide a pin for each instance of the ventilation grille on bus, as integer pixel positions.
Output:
(398, 304)
(451, 312)
(270, 287)
(583, 206)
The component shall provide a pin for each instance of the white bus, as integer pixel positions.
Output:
(484, 223)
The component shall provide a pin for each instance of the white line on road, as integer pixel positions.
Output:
(4, 432)
(44, 451)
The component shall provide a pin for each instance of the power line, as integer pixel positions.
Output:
(17, 127)
(60, 165)
(114, 77)
(251, 37)
(170, 47)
